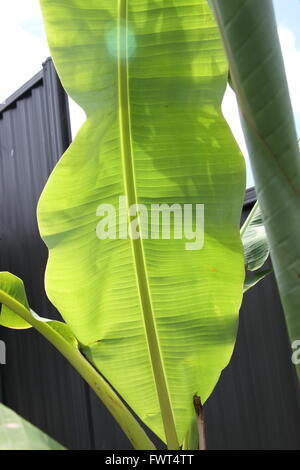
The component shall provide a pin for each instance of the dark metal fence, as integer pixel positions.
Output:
(256, 404)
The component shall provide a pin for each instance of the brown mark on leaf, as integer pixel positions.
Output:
(198, 405)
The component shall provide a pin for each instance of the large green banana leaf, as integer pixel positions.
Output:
(258, 76)
(17, 434)
(157, 320)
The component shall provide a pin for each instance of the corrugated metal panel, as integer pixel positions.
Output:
(256, 404)
(36, 382)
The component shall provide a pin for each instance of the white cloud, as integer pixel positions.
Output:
(24, 48)
(78, 116)
(23, 44)
(18, 10)
(291, 57)
(231, 114)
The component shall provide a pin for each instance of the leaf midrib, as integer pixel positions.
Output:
(137, 245)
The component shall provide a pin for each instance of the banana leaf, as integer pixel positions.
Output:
(256, 247)
(250, 37)
(254, 279)
(158, 320)
(12, 292)
(255, 241)
(18, 434)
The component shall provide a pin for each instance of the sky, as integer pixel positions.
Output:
(24, 48)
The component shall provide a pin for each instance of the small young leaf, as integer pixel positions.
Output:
(251, 281)
(254, 238)
(14, 287)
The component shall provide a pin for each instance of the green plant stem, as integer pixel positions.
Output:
(137, 247)
(113, 403)
(201, 432)
(191, 440)
(185, 444)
